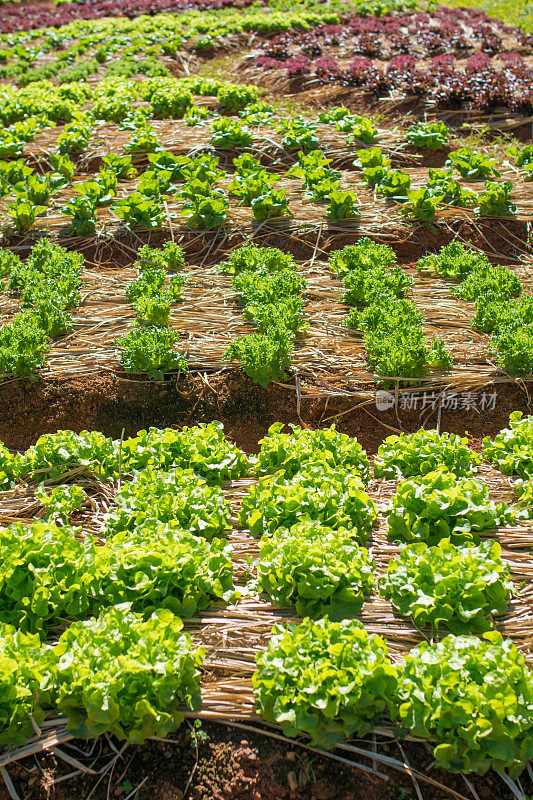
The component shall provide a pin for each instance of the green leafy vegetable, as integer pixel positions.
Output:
(265, 357)
(422, 452)
(428, 135)
(290, 452)
(179, 497)
(317, 493)
(60, 502)
(474, 697)
(45, 575)
(202, 448)
(328, 679)
(439, 505)
(511, 451)
(55, 454)
(150, 350)
(460, 587)
(161, 566)
(471, 164)
(20, 700)
(319, 570)
(125, 676)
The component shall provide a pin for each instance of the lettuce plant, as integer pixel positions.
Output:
(272, 204)
(361, 256)
(422, 452)
(170, 256)
(513, 348)
(46, 575)
(299, 134)
(250, 187)
(428, 135)
(317, 493)
(453, 261)
(471, 164)
(124, 675)
(495, 313)
(250, 258)
(395, 185)
(81, 213)
(264, 357)
(158, 566)
(362, 285)
(226, 134)
(209, 213)
(370, 158)
(150, 350)
(496, 201)
(152, 311)
(121, 166)
(331, 680)
(139, 211)
(287, 314)
(21, 702)
(60, 502)
(458, 586)
(179, 496)
(360, 131)
(474, 698)
(290, 452)
(487, 281)
(170, 101)
(202, 448)
(439, 505)
(55, 454)
(420, 203)
(342, 205)
(318, 570)
(445, 190)
(23, 213)
(236, 97)
(511, 451)
(260, 286)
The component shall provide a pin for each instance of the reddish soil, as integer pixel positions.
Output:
(228, 764)
(110, 404)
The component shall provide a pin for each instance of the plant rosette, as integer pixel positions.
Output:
(330, 680)
(460, 587)
(438, 506)
(474, 698)
(318, 570)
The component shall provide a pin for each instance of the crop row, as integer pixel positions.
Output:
(312, 487)
(216, 15)
(319, 30)
(392, 327)
(124, 664)
(454, 31)
(268, 288)
(194, 180)
(441, 83)
(502, 308)
(134, 678)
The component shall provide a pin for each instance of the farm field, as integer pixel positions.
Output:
(266, 359)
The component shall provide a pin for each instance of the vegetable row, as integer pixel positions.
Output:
(195, 182)
(135, 21)
(420, 55)
(130, 670)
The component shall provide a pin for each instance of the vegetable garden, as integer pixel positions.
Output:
(218, 221)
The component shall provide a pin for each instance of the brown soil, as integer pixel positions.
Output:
(221, 763)
(498, 238)
(110, 403)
